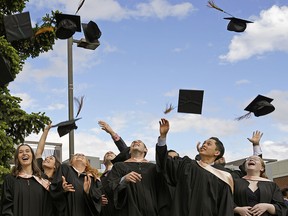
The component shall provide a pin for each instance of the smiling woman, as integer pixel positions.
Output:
(24, 191)
(255, 194)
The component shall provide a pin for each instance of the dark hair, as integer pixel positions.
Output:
(17, 167)
(284, 192)
(57, 162)
(171, 150)
(219, 147)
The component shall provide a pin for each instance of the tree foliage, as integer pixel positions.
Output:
(15, 123)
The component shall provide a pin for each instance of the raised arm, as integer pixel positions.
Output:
(255, 140)
(119, 142)
(41, 143)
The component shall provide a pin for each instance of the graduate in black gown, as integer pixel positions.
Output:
(76, 188)
(134, 183)
(50, 164)
(201, 189)
(109, 209)
(255, 194)
(24, 192)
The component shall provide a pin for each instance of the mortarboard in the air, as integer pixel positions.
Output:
(190, 101)
(18, 26)
(67, 25)
(5, 73)
(236, 24)
(65, 127)
(260, 106)
(91, 31)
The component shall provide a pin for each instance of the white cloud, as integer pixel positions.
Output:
(280, 103)
(113, 10)
(274, 150)
(56, 106)
(268, 33)
(27, 101)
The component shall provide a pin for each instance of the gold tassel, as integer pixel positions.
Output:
(211, 4)
(169, 108)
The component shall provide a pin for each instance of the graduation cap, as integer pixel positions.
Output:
(18, 26)
(91, 31)
(65, 127)
(260, 106)
(67, 25)
(236, 24)
(189, 101)
(5, 74)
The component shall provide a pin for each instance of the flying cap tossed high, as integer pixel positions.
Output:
(235, 24)
(189, 101)
(260, 106)
(65, 127)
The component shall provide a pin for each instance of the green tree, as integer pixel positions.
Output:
(15, 123)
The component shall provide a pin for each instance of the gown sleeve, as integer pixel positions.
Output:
(93, 199)
(168, 166)
(119, 189)
(56, 191)
(7, 196)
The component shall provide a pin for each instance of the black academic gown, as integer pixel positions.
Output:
(198, 192)
(269, 193)
(109, 209)
(76, 203)
(134, 199)
(24, 197)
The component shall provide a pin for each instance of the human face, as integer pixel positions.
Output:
(138, 145)
(254, 163)
(49, 162)
(25, 155)
(109, 156)
(79, 157)
(209, 149)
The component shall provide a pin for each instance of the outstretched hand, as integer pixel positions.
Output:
(164, 127)
(106, 127)
(87, 184)
(67, 187)
(256, 137)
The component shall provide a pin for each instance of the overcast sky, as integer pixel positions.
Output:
(148, 51)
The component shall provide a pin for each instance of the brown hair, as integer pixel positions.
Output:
(89, 169)
(17, 167)
(262, 173)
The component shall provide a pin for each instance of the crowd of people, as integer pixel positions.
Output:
(133, 186)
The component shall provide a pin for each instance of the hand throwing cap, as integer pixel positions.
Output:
(260, 106)
(18, 26)
(236, 24)
(65, 127)
(190, 101)
(67, 25)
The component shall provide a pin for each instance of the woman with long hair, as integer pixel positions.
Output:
(24, 190)
(76, 188)
(51, 163)
(255, 194)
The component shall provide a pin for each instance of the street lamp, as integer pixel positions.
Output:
(66, 26)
